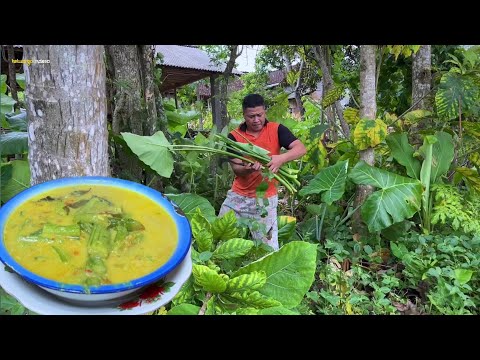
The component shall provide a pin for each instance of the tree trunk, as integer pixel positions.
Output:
(422, 78)
(67, 112)
(322, 55)
(368, 109)
(222, 121)
(421, 85)
(12, 80)
(134, 106)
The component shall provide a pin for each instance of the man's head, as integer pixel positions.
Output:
(254, 112)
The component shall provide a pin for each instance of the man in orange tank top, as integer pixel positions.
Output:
(242, 198)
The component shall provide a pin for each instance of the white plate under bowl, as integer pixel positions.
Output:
(146, 300)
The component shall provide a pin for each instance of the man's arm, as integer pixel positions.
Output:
(296, 150)
(243, 170)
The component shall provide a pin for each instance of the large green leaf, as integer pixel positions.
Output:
(402, 151)
(20, 80)
(6, 105)
(13, 143)
(189, 202)
(455, 89)
(290, 272)
(184, 309)
(470, 176)
(225, 227)
(442, 155)
(277, 310)
(152, 150)
(202, 231)
(399, 197)
(209, 279)
(233, 248)
(181, 118)
(17, 121)
(254, 298)
(286, 227)
(251, 281)
(3, 83)
(19, 180)
(330, 181)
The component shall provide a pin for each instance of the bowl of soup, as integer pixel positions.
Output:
(92, 239)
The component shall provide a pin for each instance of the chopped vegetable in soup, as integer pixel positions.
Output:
(91, 235)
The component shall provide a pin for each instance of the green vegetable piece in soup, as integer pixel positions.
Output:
(99, 242)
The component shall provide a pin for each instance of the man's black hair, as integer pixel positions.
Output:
(253, 100)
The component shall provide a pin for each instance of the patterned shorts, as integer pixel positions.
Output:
(253, 208)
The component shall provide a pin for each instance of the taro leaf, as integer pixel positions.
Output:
(19, 180)
(290, 272)
(13, 143)
(17, 122)
(398, 199)
(442, 155)
(463, 276)
(152, 150)
(189, 202)
(329, 181)
(184, 309)
(233, 248)
(402, 151)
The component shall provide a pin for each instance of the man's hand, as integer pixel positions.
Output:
(277, 161)
(254, 167)
(243, 169)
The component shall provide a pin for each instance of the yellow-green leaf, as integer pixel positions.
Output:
(254, 298)
(233, 248)
(252, 281)
(208, 279)
(225, 227)
(351, 115)
(369, 133)
(471, 177)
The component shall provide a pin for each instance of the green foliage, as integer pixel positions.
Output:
(209, 279)
(13, 143)
(403, 152)
(184, 309)
(329, 181)
(290, 272)
(246, 282)
(398, 199)
(232, 248)
(453, 208)
(152, 150)
(15, 177)
(190, 202)
(224, 228)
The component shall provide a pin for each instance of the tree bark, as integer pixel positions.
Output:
(422, 78)
(67, 112)
(368, 109)
(12, 80)
(128, 109)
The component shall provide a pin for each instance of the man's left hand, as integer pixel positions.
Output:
(277, 161)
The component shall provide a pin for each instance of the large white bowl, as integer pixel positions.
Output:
(97, 294)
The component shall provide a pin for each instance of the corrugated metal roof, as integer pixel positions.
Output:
(189, 58)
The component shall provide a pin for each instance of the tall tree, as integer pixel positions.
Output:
(67, 112)
(368, 109)
(134, 100)
(422, 78)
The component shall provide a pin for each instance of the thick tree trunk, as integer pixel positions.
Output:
(67, 112)
(322, 55)
(421, 85)
(368, 109)
(422, 78)
(128, 111)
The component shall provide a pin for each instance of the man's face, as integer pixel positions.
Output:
(254, 118)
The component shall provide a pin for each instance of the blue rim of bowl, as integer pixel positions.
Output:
(182, 223)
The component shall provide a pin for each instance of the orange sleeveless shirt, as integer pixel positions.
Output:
(268, 139)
